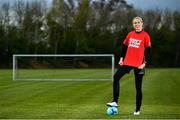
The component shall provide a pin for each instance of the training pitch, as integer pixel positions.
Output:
(87, 99)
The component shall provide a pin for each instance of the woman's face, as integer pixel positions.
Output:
(138, 25)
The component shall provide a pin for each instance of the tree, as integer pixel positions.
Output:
(152, 19)
(4, 31)
(80, 27)
(163, 44)
(60, 19)
(19, 11)
(34, 12)
(177, 33)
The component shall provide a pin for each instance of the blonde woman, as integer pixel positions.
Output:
(135, 55)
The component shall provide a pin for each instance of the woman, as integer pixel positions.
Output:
(135, 55)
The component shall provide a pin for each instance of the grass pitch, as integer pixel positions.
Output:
(87, 99)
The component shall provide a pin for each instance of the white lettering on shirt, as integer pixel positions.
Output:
(135, 43)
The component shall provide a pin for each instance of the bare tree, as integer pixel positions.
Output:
(152, 19)
(59, 18)
(19, 9)
(168, 19)
(32, 23)
(5, 14)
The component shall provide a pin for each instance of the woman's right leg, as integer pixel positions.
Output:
(139, 73)
(117, 76)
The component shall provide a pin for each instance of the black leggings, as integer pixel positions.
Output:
(139, 73)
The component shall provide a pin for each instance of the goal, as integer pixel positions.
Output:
(60, 67)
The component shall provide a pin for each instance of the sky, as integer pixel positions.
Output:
(140, 4)
(13, 1)
(154, 4)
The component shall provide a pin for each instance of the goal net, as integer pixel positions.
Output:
(63, 67)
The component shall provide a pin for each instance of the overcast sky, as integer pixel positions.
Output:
(141, 4)
(154, 4)
(13, 1)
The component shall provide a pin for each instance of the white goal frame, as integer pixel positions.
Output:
(14, 74)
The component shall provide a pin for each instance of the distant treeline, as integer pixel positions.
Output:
(86, 27)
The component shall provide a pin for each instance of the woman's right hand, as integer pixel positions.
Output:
(121, 61)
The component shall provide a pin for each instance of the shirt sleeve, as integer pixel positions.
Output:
(123, 50)
(126, 41)
(147, 41)
(147, 49)
(147, 55)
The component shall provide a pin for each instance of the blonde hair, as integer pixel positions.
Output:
(139, 18)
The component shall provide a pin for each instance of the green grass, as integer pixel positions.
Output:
(64, 74)
(87, 99)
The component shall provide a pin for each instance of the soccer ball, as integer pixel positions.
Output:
(112, 111)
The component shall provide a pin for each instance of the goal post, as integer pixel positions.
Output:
(61, 67)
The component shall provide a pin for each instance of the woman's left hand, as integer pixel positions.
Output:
(142, 66)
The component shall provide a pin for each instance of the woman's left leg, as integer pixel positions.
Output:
(139, 73)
